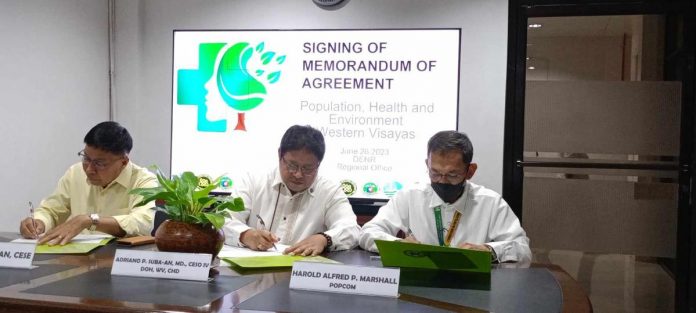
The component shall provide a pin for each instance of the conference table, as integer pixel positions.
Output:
(83, 283)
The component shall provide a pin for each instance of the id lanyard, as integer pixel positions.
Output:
(445, 241)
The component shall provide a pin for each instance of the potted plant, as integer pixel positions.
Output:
(195, 217)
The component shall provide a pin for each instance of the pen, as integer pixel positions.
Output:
(264, 226)
(31, 215)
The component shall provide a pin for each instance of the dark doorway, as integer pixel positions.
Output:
(599, 145)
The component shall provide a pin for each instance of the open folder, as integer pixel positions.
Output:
(422, 256)
(273, 262)
(272, 259)
(436, 266)
(81, 244)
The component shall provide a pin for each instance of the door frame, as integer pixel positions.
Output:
(519, 12)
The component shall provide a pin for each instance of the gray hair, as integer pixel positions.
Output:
(451, 140)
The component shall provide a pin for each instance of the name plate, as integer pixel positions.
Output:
(169, 265)
(363, 280)
(16, 255)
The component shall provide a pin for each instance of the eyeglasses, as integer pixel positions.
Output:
(294, 168)
(98, 165)
(453, 178)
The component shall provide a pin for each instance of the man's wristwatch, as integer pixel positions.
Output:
(95, 221)
(329, 242)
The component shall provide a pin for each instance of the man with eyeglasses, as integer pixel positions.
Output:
(293, 204)
(451, 210)
(93, 194)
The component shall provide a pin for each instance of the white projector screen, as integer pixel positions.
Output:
(376, 95)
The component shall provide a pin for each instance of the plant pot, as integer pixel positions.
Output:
(175, 236)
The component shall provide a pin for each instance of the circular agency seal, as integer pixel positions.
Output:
(391, 188)
(225, 182)
(204, 181)
(348, 186)
(370, 188)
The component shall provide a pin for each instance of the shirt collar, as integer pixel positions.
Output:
(278, 181)
(124, 177)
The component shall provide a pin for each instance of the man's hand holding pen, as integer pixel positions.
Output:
(410, 237)
(31, 228)
(259, 239)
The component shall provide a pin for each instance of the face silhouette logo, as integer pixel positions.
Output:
(229, 78)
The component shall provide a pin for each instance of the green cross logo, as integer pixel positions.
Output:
(228, 76)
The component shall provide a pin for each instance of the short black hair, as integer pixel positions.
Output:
(111, 137)
(303, 137)
(451, 140)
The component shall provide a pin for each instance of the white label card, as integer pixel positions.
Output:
(16, 255)
(170, 265)
(363, 280)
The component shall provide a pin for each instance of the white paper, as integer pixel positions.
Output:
(238, 252)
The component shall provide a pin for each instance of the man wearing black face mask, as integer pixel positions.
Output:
(451, 211)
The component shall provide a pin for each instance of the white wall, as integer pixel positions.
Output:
(53, 87)
(144, 58)
(54, 73)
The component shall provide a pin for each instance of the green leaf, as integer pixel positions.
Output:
(175, 212)
(168, 196)
(239, 203)
(206, 202)
(199, 218)
(148, 194)
(163, 181)
(190, 179)
(184, 201)
(234, 206)
(203, 192)
(216, 219)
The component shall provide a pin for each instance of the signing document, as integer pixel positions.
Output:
(82, 243)
(245, 258)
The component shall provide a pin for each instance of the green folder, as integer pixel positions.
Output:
(71, 247)
(421, 256)
(273, 262)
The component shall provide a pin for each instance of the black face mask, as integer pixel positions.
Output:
(447, 192)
